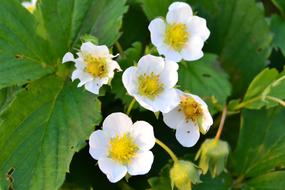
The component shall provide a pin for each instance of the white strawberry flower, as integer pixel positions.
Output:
(122, 147)
(30, 5)
(182, 35)
(152, 83)
(94, 66)
(189, 118)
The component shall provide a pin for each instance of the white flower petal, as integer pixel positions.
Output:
(157, 29)
(93, 86)
(173, 118)
(112, 65)
(207, 121)
(82, 76)
(129, 79)
(169, 76)
(117, 124)
(143, 135)
(179, 12)
(90, 48)
(98, 143)
(68, 57)
(79, 63)
(198, 27)
(166, 101)
(197, 99)
(193, 49)
(141, 164)
(114, 171)
(146, 103)
(150, 64)
(187, 134)
(169, 53)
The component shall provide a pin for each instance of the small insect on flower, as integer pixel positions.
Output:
(30, 5)
(152, 83)
(182, 35)
(94, 66)
(122, 147)
(189, 118)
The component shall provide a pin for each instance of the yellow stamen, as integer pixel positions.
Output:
(123, 149)
(149, 85)
(31, 8)
(96, 66)
(191, 109)
(176, 36)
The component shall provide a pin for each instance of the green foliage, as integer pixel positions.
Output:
(278, 29)
(205, 78)
(280, 4)
(22, 52)
(163, 182)
(239, 35)
(41, 130)
(73, 18)
(273, 180)
(130, 57)
(267, 89)
(261, 142)
(45, 118)
(155, 8)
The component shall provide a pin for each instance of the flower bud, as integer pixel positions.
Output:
(183, 174)
(213, 156)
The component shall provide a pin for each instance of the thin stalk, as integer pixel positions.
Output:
(119, 48)
(167, 149)
(281, 102)
(131, 105)
(222, 122)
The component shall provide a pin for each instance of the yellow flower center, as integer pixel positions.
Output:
(123, 149)
(96, 66)
(149, 85)
(191, 109)
(176, 36)
(31, 8)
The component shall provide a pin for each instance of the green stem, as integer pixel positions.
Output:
(281, 102)
(245, 103)
(238, 182)
(119, 48)
(167, 149)
(131, 105)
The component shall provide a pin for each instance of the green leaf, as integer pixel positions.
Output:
(23, 54)
(265, 90)
(240, 36)
(7, 95)
(160, 183)
(278, 29)
(261, 142)
(64, 21)
(42, 129)
(155, 8)
(221, 182)
(206, 79)
(272, 180)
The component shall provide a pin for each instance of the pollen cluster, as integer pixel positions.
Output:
(190, 108)
(123, 149)
(149, 85)
(96, 66)
(176, 36)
